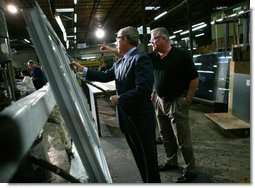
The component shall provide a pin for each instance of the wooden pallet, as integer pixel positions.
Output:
(227, 121)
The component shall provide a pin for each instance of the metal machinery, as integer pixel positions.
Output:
(213, 69)
(225, 73)
(21, 121)
(68, 95)
(7, 80)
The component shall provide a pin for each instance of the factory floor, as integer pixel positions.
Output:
(222, 156)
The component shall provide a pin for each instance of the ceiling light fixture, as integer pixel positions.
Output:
(70, 36)
(61, 10)
(100, 33)
(60, 23)
(201, 23)
(198, 35)
(159, 16)
(12, 9)
(75, 2)
(184, 32)
(152, 8)
(172, 37)
(199, 27)
(28, 41)
(75, 17)
(178, 31)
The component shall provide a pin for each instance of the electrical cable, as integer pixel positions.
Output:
(53, 168)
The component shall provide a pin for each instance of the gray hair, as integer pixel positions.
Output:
(162, 32)
(131, 33)
(31, 62)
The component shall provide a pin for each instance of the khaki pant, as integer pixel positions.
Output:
(173, 120)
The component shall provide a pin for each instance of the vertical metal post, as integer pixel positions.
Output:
(226, 38)
(245, 33)
(216, 37)
(190, 29)
(145, 38)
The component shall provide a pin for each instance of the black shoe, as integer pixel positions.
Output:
(186, 177)
(159, 140)
(165, 167)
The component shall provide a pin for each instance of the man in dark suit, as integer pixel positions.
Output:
(133, 75)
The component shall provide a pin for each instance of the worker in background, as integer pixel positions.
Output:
(27, 81)
(175, 84)
(133, 75)
(38, 77)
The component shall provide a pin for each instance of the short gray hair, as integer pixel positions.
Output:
(31, 62)
(161, 31)
(131, 33)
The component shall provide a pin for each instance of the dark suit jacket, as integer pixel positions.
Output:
(134, 82)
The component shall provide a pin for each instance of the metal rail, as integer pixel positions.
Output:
(68, 95)
(20, 124)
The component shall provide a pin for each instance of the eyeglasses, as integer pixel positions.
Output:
(118, 38)
(154, 38)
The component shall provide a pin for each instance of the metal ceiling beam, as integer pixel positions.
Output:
(93, 11)
(116, 4)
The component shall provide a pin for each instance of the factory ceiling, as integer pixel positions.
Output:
(111, 15)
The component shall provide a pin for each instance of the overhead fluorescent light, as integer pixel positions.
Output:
(75, 29)
(194, 29)
(75, 2)
(152, 8)
(232, 15)
(201, 23)
(178, 31)
(199, 27)
(219, 20)
(64, 36)
(159, 16)
(241, 12)
(28, 41)
(221, 7)
(61, 10)
(172, 37)
(75, 17)
(184, 32)
(198, 35)
(185, 38)
(60, 23)
(67, 44)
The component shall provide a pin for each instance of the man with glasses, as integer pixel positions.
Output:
(133, 75)
(175, 84)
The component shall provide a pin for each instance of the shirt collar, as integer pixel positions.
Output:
(129, 52)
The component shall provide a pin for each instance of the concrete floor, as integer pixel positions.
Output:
(221, 156)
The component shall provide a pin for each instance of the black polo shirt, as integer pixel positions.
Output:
(173, 73)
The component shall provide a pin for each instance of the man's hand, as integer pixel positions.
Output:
(106, 49)
(114, 99)
(76, 66)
